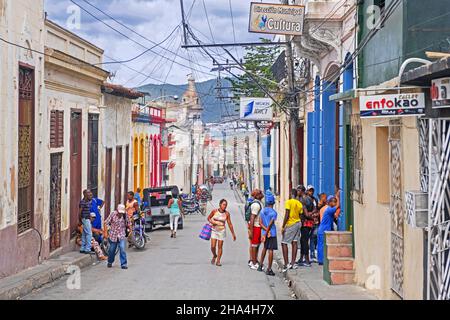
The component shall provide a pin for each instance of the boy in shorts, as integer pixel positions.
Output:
(268, 216)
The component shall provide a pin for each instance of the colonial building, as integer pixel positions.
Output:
(73, 97)
(24, 138)
(187, 136)
(116, 138)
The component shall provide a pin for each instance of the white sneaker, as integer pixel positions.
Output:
(254, 266)
(295, 266)
(289, 266)
(250, 263)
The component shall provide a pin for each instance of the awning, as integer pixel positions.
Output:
(423, 75)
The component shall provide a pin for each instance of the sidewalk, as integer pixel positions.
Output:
(16, 286)
(308, 284)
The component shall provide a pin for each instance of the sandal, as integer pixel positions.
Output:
(218, 264)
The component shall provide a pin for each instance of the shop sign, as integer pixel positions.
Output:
(440, 93)
(256, 109)
(274, 18)
(392, 105)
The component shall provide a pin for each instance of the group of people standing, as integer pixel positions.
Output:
(305, 221)
(117, 227)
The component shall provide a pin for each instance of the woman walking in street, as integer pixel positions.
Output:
(217, 219)
(175, 207)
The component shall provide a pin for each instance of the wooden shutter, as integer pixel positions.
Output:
(56, 129)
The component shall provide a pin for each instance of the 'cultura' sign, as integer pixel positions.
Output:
(392, 105)
(276, 18)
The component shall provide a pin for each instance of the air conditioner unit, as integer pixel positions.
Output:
(416, 209)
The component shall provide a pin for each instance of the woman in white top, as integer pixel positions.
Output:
(217, 218)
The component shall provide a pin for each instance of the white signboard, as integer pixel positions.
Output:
(440, 93)
(276, 18)
(256, 109)
(392, 105)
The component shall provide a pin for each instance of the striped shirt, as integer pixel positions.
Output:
(85, 206)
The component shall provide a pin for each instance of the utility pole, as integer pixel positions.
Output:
(224, 152)
(258, 156)
(191, 179)
(183, 21)
(247, 154)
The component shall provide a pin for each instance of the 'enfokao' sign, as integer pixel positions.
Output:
(392, 105)
(276, 18)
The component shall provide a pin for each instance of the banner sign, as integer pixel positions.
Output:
(440, 93)
(274, 18)
(256, 109)
(392, 105)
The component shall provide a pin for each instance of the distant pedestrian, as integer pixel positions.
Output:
(119, 226)
(254, 227)
(327, 223)
(268, 217)
(175, 206)
(290, 230)
(307, 224)
(85, 220)
(218, 218)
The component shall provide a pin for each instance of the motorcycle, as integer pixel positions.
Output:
(190, 206)
(138, 236)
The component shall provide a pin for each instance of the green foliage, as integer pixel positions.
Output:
(258, 61)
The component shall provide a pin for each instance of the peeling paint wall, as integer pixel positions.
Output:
(21, 22)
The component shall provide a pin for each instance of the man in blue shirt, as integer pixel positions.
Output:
(327, 223)
(268, 217)
(96, 205)
(137, 196)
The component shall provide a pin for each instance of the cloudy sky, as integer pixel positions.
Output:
(154, 21)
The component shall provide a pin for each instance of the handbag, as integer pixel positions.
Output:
(205, 234)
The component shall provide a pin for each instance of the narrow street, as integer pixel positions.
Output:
(178, 268)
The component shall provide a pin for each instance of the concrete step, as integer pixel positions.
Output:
(339, 277)
(340, 263)
(339, 250)
(343, 237)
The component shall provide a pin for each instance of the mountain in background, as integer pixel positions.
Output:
(213, 108)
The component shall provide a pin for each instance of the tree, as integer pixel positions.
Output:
(258, 61)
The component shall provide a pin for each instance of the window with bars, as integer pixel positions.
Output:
(56, 129)
(93, 154)
(25, 198)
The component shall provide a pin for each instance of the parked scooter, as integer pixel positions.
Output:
(138, 237)
(190, 206)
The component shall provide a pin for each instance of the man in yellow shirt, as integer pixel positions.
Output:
(291, 229)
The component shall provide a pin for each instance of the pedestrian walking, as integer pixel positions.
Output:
(268, 217)
(254, 227)
(327, 223)
(85, 220)
(175, 206)
(119, 227)
(290, 230)
(307, 224)
(218, 218)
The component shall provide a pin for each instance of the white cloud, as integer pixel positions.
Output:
(155, 19)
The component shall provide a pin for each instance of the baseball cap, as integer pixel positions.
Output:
(93, 215)
(301, 187)
(270, 199)
(329, 198)
(121, 208)
(309, 187)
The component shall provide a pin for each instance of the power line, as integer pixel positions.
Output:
(126, 36)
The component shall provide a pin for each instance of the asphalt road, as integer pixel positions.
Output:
(178, 268)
